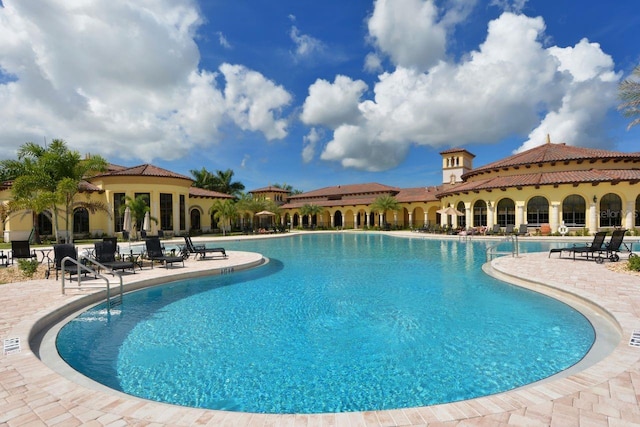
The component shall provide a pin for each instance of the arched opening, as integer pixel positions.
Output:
(296, 220)
(610, 210)
(636, 214)
(506, 212)
(480, 213)
(462, 220)
(45, 228)
(574, 211)
(80, 221)
(195, 219)
(537, 211)
(337, 219)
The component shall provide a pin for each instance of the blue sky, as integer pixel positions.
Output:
(314, 94)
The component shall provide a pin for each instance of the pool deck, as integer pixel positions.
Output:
(604, 394)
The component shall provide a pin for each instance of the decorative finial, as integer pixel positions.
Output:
(548, 139)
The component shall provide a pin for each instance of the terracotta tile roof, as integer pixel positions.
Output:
(85, 186)
(145, 170)
(457, 150)
(348, 190)
(546, 178)
(270, 189)
(417, 194)
(549, 153)
(207, 194)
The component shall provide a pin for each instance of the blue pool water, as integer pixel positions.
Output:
(334, 323)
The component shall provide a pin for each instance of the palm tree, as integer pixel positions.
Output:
(310, 210)
(224, 210)
(383, 204)
(203, 179)
(629, 91)
(48, 179)
(138, 208)
(222, 183)
(248, 205)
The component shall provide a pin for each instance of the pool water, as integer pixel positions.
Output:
(334, 323)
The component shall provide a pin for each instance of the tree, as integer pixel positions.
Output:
(224, 210)
(48, 179)
(383, 204)
(222, 183)
(629, 92)
(203, 179)
(310, 210)
(289, 188)
(138, 208)
(249, 206)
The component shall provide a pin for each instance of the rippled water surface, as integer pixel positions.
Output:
(335, 322)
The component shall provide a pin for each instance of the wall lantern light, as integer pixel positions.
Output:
(595, 199)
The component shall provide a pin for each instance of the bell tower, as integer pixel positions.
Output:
(455, 163)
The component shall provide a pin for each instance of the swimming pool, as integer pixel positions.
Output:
(335, 322)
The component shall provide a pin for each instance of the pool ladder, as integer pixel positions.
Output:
(492, 250)
(82, 268)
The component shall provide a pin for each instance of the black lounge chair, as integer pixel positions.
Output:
(592, 249)
(202, 250)
(62, 251)
(21, 249)
(612, 248)
(509, 229)
(106, 256)
(522, 230)
(156, 253)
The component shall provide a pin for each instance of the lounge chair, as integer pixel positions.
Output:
(612, 248)
(106, 256)
(156, 253)
(509, 229)
(20, 249)
(594, 248)
(62, 251)
(523, 230)
(495, 230)
(202, 250)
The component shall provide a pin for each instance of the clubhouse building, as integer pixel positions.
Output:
(553, 186)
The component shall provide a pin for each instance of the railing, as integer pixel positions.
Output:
(81, 268)
(492, 250)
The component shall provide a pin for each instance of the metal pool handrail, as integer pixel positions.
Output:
(81, 267)
(491, 250)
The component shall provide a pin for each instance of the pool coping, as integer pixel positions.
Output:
(31, 392)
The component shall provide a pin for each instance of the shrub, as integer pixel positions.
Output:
(28, 266)
(634, 263)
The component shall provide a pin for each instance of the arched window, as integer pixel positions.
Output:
(537, 211)
(80, 221)
(45, 228)
(574, 211)
(636, 214)
(506, 212)
(610, 210)
(462, 220)
(195, 219)
(337, 219)
(480, 213)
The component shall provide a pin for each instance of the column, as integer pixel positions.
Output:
(426, 218)
(332, 221)
(554, 220)
(468, 215)
(355, 220)
(593, 218)
(490, 220)
(630, 215)
(519, 214)
(410, 219)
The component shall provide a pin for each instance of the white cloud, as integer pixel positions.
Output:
(309, 143)
(223, 41)
(121, 79)
(512, 85)
(372, 63)
(252, 101)
(306, 45)
(515, 6)
(332, 104)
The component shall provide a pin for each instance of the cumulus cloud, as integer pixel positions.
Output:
(511, 85)
(332, 104)
(121, 79)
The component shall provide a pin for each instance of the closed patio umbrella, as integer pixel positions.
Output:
(146, 224)
(126, 223)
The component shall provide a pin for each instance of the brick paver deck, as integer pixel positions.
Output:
(604, 394)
